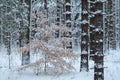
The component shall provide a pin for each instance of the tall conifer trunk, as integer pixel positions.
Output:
(84, 36)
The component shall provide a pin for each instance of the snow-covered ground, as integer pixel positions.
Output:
(112, 69)
(112, 65)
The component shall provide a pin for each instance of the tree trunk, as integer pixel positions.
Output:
(26, 56)
(96, 37)
(84, 36)
(110, 17)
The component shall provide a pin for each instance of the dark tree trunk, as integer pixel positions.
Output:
(84, 36)
(26, 56)
(110, 18)
(96, 37)
(68, 23)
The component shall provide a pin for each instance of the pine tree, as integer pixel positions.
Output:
(96, 38)
(68, 24)
(110, 17)
(117, 23)
(1, 22)
(84, 36)
(26, 4)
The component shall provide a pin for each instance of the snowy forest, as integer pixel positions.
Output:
(59, 39)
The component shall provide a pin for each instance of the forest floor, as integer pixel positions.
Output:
(111, 71)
